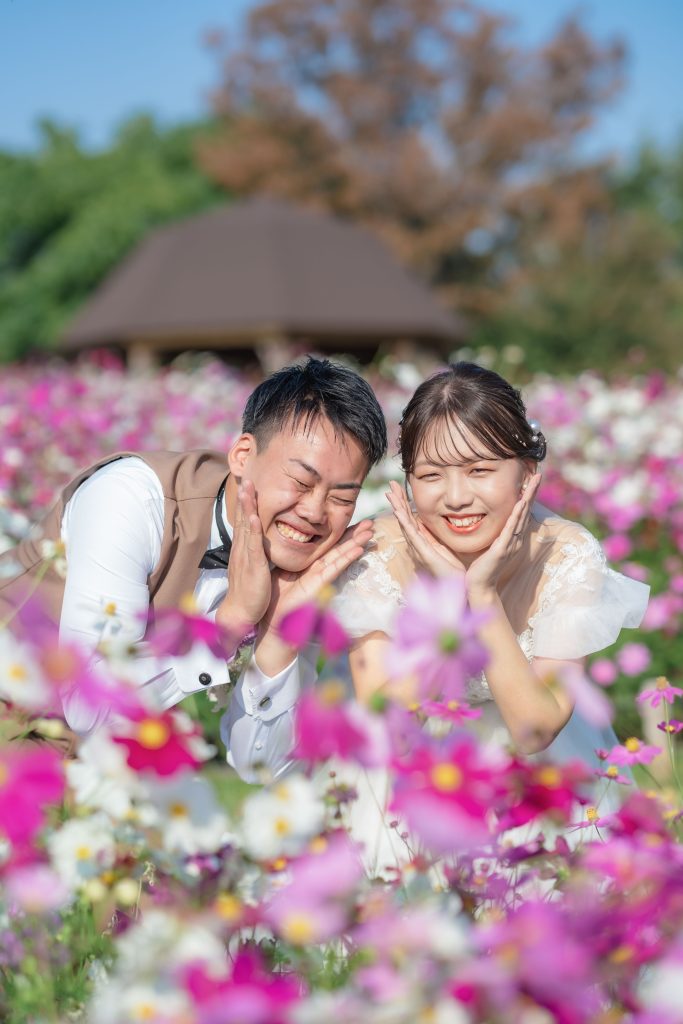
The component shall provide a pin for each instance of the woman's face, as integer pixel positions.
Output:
(465, 500)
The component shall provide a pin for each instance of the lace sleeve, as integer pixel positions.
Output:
(584, 604)
(368, 596)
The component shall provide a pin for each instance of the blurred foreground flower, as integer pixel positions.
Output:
(163, 743)
(662, 691)
(436, 639)
(314, 622)
(328, 725)
(31, 778)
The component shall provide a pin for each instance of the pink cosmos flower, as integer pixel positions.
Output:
(436, 638)
(445, 792)
(313, 622)
(603, 671)
(612, 774)
(662, 691)
(633, 659)
(633, 751)
(177, 630)
(162, 743)
(453, 711)
(617, 547)
(542, 788)
(250, 994)
(36, 889)
(31, 777)
(326, 725)
(590, 702)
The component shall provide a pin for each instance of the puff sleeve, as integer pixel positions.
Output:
(584, 604)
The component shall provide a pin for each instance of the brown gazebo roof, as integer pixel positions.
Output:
(257, 268)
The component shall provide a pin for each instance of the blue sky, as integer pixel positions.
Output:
(91, 64)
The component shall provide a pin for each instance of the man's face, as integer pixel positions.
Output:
(307, 482)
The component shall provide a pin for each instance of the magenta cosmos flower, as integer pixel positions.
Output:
(445, 792)
(251, 994)
(31, 778)
(327, 725)
(313, 622)
(436, 638)
(161, 743)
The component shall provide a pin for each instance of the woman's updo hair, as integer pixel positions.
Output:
(490, 409)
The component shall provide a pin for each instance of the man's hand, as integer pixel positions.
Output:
(290, 590)
(249, 580)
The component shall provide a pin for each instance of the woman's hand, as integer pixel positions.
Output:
(290, 589)
(435, 557)
(482, 576)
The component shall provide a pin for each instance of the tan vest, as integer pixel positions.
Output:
(190, 482)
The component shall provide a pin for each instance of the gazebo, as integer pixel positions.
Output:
(244, 276)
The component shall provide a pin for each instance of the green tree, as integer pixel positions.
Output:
(68, 215)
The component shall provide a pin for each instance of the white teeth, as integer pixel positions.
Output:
(291, 534)
(469, 521)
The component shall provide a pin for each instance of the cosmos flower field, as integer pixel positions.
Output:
(137, 887)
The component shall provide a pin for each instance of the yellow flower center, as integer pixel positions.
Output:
(453, 705)
(662, 683)
(632, 745)
(318, 845)
(325, 595)
(281, 826)
(282, 791)
(592, 814)
(622, 954)
(188, 605)
(446, 776)
(612, 771)
(229, 907)
(110, 608)
(152, 733)
(59, 664)
(549, 776)
(18, 673)
(298, 928)
(178, 810)
(83, 852)
(332, 693)
(145, 1011)
(279, 864)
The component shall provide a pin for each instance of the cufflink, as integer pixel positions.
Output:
(265, 703)
(204, 678)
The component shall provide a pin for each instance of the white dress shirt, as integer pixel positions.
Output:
(117, 515)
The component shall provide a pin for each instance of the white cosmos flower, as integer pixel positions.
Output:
(81, 849)
(21, 678)
(100, 777)
(116, 1003)
(163, 941)
(281, 820)
(190, 818)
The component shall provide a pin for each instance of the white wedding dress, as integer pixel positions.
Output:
(564, 603)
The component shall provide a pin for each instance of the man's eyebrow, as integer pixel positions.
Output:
(334, 487)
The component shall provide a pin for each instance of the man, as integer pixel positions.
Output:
(142, 530)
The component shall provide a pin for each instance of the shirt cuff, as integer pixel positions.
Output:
(199, 670)
(267, 697)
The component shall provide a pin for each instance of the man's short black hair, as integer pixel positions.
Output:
(307, 392)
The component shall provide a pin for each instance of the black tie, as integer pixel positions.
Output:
(218, 558)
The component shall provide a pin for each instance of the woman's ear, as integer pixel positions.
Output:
(241, 454)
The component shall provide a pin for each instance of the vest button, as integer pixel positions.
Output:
(204, 678)
(265, 703)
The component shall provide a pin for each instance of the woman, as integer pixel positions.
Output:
(471, 461)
